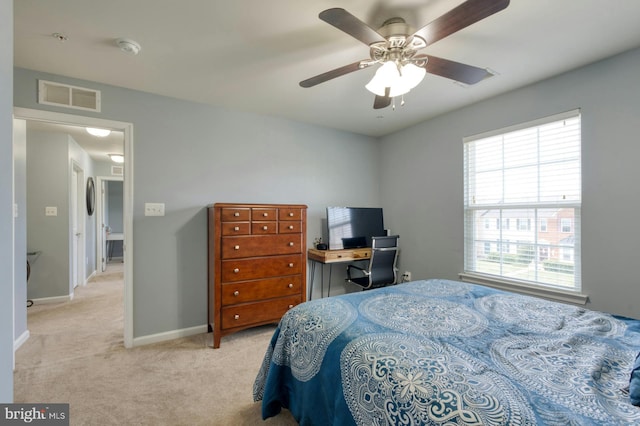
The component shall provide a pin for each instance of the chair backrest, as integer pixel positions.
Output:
(382, 266)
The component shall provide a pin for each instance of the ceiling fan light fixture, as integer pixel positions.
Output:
(399, 80)
(412, 75)
(101, 133)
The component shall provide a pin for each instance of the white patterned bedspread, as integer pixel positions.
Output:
(448, 353)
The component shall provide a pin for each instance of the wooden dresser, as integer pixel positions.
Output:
(257, 264)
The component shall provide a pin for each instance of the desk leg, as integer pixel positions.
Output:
(312, 276)
(329, 285)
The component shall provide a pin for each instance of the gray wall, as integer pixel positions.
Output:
(114, 197)
(429, 215)
(189, 155)
(49, 157)
(6, 202)
(114, 213)
(48, 186)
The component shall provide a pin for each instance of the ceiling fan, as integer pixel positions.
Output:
(395, 48)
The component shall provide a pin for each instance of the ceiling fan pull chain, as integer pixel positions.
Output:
(393, 103)
(402, 101)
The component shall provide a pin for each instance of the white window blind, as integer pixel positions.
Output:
(530, 176)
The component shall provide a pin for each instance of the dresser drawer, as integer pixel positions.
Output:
(260, 267)
(289, 214)
(236, 228)
(290, 227)
(260, 245)
(261, 228)
(235, 214)
(259, 312)
(251, 291)
(264, 214)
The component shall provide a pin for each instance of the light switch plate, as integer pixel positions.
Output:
(154, 209)
(51, 211)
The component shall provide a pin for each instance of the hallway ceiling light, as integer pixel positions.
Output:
(101, 133)
(117, 158)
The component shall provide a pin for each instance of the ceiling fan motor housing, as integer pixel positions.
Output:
(399, 45)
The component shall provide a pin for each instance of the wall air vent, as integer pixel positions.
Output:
(117, 170)
(59, 94)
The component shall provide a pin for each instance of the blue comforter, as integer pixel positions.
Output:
(450, 353)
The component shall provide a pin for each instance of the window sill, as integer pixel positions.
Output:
(558, 295)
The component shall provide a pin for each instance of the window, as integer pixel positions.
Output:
(530, 173)
(524, 224)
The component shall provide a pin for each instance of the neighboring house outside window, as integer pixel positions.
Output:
(529, 175)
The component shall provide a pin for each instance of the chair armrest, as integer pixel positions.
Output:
(362, 270)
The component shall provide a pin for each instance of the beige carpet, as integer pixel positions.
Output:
(75, 354)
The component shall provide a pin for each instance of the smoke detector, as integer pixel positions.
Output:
(128, 46)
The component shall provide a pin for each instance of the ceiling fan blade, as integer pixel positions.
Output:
(460, 17)
(457, 71)
(321, 78)
(382, 101)
(343, 20)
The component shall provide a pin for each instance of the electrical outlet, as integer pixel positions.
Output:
(154, 209)
(51, 211)
(406, 277)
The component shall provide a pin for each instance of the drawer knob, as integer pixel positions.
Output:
(236, 247)
(291, 265)
(290, 214)
(290, 306)
(236, 228)
(265, 227)
(265, 214)
(236, 317)
(290, 285)
(236, 270)
(290, 226)
(236, 214)
(236, 293)
(291, 244)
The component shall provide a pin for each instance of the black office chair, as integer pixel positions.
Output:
(382, 269)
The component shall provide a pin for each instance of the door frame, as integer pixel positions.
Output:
(127, 129)
(78, 235)
(101, 255)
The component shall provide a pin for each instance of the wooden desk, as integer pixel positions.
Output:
(329, 257)
(339, 256)
(111, 237)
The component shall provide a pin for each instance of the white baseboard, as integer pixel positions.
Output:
(20, 340)
(89, 278)
(56, 299)
(169, 335)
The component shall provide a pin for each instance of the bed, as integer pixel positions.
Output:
(451, 353)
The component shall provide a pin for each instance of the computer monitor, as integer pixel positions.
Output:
(353, 227)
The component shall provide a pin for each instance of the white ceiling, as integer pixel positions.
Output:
(249, 55)
(98, 148)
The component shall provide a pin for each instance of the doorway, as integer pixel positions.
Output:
(110, 235)
(127, 244)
